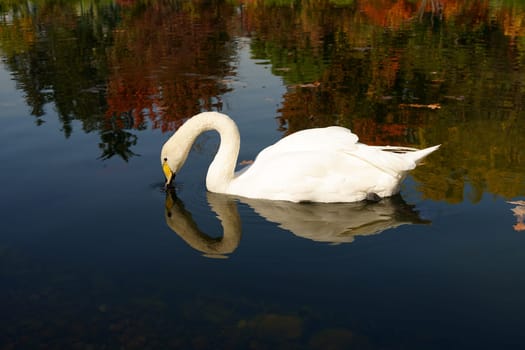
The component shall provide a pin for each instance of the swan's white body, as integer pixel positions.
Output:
(318, 165)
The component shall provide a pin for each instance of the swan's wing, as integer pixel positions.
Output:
(319, 176)
(332, 138)
(335, 139)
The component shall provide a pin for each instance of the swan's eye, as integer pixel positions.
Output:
(165, 159)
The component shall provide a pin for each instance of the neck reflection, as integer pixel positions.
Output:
(182, 223)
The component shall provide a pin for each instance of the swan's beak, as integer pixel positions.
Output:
(167, 172)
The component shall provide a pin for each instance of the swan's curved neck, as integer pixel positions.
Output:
(222, 168)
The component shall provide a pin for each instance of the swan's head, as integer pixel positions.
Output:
(171, 159)
(176, 149)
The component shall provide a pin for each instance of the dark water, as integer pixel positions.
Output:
(94, 255)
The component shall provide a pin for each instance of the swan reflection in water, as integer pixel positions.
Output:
(321, 222)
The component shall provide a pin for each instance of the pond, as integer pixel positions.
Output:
(94, 254)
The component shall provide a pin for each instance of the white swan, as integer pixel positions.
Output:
(317, 165)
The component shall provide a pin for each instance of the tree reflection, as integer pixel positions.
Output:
(60, 59)
(115, 140)
(169, 58)
(155, 62)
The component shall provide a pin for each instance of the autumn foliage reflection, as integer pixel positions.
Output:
(168, 62)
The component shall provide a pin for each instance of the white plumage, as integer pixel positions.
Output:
(317, 165)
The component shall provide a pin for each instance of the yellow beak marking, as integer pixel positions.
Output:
(167, 172)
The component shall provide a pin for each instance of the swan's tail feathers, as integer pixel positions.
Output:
(417, 156)
(412, 154)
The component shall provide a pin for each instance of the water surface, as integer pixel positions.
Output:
(95, 255)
